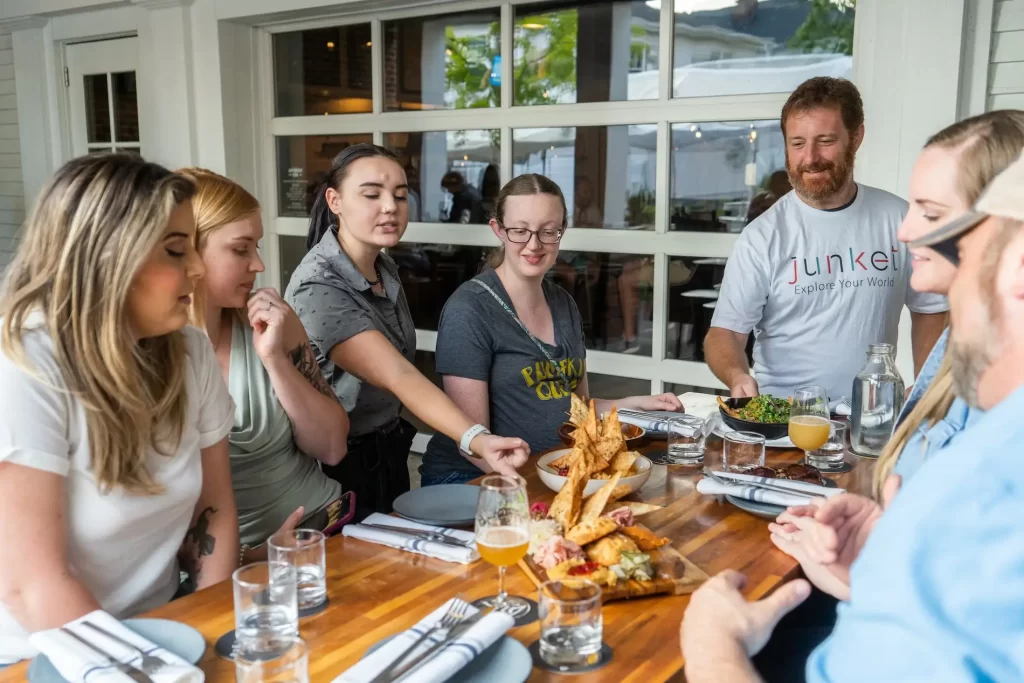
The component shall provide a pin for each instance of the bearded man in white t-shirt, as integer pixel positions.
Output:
(820, 275)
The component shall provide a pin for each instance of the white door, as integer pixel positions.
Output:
(103, 99)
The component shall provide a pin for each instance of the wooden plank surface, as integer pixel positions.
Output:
(376, 592)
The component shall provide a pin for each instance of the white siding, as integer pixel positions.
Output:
(12, 194)
(1006, 75)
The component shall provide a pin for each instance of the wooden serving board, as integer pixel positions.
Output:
(673, 575)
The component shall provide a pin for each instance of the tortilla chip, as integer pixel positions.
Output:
(644, 537)
(566, 460)
(565, 508)
(608, 550)
(607, 449)
(623, 461)
(591, 530)
(620, 491)
(591, 424)
(637, 508)
(577, 410)
(611, 428)
(594, 506)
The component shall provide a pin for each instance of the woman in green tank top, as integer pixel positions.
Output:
(287, 419)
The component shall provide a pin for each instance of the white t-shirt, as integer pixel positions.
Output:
(122, 547)
(817, 287)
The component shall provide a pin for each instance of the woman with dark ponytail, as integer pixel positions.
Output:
(348, 295)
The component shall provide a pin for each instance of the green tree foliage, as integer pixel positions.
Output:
(828, 28)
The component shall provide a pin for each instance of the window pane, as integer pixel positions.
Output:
(446, 62)
(126, 107)
(453, 175)
(725, 174)
(302, 165)
(585, 52)
(610, 386)
(693, 285)
(290, 249)
(97, 108)
(606, 172)
(741, 47)
(323, 71)
(431, 273)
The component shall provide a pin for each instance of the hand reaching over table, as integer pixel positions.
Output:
(501, 454)
(668, 401)
(744, 386)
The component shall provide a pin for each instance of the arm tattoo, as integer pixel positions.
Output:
(198, 543)
(305, 362)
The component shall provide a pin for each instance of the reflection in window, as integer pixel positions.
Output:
(610, 386)
(302, 166)
(290, 250)
(447, 62)
(431, 273)
(725, 175)
(742, 47)
(606, 172)
(453, 175)
(323, 71)
(693, 286)
(585, 52)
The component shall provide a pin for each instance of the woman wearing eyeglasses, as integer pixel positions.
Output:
(510, 344)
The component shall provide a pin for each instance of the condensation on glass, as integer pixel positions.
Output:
(323, 71)
(451, 61)
(303, 162)
(453, 175)
(725, 174)
(744, 47)
(567, 53)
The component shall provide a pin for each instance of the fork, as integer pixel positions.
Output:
(126, 669)
(150, 663)
(756, 484)
(426, 534)
(454, 615)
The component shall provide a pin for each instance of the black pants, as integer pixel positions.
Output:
(784, 658)
(376, 468)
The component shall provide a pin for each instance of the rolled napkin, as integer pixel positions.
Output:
(76, 662)
(446, 662)
(709, 487)
(395, 539)
(701, 405)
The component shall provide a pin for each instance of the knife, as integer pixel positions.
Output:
(454, 634)
(433, 536)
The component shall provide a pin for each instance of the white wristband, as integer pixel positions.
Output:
(467, 438)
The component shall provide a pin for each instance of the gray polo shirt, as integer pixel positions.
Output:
(335, 303)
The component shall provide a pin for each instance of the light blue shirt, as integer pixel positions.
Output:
(938, 590)
(928, 440)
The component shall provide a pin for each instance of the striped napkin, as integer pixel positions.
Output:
(76, 662)
(395, 539)
(447, 662)
(710, 487)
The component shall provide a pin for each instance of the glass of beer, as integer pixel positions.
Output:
(809, 420)
(503, 528)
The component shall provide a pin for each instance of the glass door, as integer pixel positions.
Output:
(101, 81)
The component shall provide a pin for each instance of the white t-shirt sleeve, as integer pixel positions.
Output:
(216, 408)
(34, 417)
(745, 286)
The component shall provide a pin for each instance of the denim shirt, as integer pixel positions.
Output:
(924, 443)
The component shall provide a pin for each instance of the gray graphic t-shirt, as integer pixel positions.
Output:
(817, 287)
(478, 339)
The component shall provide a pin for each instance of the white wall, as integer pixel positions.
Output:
(1006, 71)
(12, 196)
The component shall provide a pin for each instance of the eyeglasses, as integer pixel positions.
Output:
(524, 235)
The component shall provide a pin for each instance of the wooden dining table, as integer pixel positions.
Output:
(375, 591)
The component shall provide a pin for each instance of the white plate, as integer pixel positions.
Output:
(555, 481)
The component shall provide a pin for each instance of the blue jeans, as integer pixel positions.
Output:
(456, 477)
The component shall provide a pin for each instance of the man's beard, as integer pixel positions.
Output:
(821, 189)
(969, 360)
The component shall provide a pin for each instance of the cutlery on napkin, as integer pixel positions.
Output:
(411, 541)
(451, 658)
(801, 489)
(75, 661)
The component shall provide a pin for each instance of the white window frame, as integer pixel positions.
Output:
(662, 112)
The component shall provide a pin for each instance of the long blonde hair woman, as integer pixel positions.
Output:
(287, 417)
(113, 456)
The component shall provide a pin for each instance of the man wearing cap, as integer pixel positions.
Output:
(936, 591)
(820, 275)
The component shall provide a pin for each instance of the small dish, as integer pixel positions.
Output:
(631, 432)
(554, 481)
(770, 431)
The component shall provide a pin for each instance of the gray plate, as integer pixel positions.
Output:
(181, 639)
(442, 505)
(756, 508)
(507, 661)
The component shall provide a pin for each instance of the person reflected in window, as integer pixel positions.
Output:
(510, 344)
(467, 206)
(490, 185)
(585, 214)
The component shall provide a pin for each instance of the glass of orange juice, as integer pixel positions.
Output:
(809, 420)
(503, 528)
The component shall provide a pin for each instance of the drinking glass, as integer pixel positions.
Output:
(830, 455)
(742, 451)
(305, 550)
(266, 607)
(809, 423)
(287, 661)
(503, 528)
(686, 437)
(570, 622)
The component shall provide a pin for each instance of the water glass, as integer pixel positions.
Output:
(742, 451)
(266, 607)
(830, 455)
(570, 622)
(304, 549)
(686, 438)
(286, 661)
